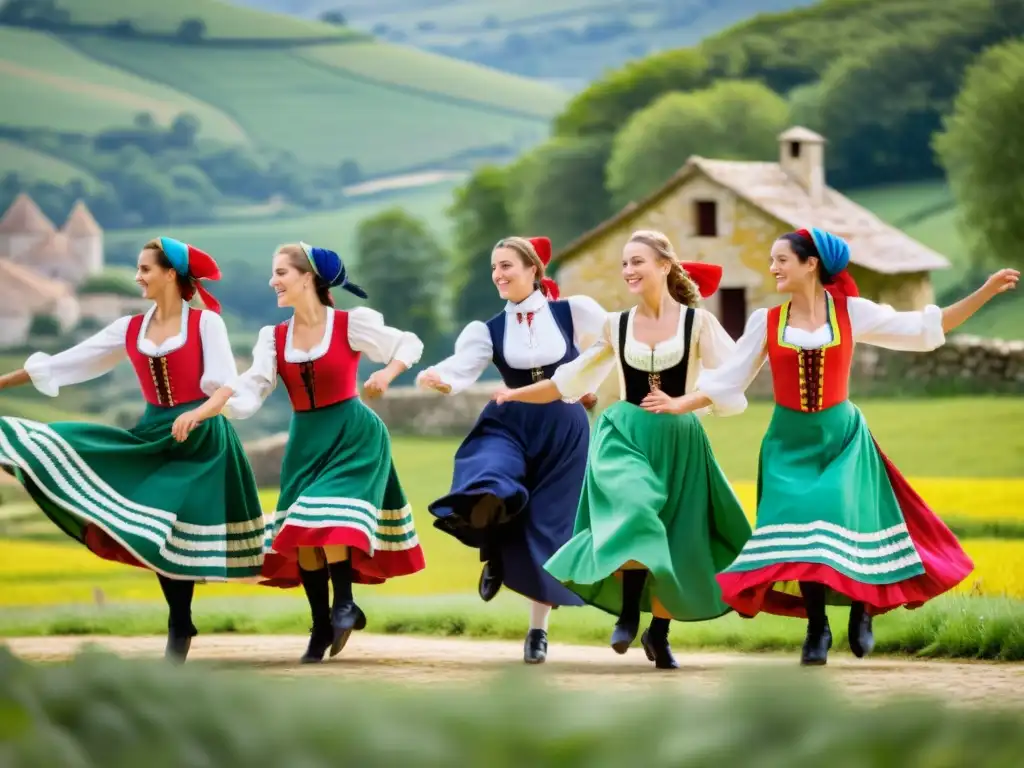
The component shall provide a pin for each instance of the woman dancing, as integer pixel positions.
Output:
(342, 516)
(657, 518)
(837, 524)
(188, 510)
(518, 473)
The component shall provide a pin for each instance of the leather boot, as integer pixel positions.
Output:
(628, 625)
(819, 634)
(859, 631)
(180, 629)
(346, 616)
(656, 646)
(321, 634)
(535, 650)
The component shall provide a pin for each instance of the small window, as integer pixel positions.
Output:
(794, 149)
(733, 310)
(707, 218)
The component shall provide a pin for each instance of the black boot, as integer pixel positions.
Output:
(655, 643)
(346, 616)
(628, 624)
(862, 639)
(535, 649)
(180, 629)
(321, 634)
(819, 635)
(486, 515)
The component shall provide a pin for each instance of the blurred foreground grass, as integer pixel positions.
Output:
(98, 710)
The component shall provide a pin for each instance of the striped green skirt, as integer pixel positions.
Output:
(189, 510)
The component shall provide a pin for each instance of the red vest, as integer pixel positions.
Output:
(811, 379)
(325, 381)
(174, 378)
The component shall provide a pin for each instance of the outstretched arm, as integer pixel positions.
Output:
(921, 331)
(473, 353)
(16, 378)
(957, 314)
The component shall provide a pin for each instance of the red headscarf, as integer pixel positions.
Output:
(542, 246)
(706, 276)
(196, 265)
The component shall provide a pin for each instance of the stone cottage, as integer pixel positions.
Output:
(730, 212)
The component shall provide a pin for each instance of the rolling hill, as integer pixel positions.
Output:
(320, 91)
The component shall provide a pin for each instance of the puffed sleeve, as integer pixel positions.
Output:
(473, 353)
(588, 318)
(368, 334)
(254, 386)
(882, 326)
(726, 383)
(219, 367)
(97, 355)
(714, 345)
(586, 373)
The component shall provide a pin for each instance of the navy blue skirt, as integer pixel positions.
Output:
(533, 458)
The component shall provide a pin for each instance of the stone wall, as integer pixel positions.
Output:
(964, 365)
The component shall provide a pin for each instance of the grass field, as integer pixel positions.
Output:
(58, 88)
(323, 114)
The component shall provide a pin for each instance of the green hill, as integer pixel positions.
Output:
(320, 92)
(31, 164)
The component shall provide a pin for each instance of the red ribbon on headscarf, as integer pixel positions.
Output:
(548, 287)
(843, 284)
(201, 266)
(706, 276)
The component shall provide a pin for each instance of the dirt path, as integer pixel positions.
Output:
(419, 660)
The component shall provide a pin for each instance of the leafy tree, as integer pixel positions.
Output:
(481, 218)
(607, 104)
(557, 190)
(982, 149)
(733, 120)
(401, 265)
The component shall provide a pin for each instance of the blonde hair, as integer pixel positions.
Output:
(680, 285)
(527, 255)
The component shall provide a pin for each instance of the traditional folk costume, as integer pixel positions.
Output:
(518, 473)
(836, 521)
(657, 518)
(339, 487)
(189, 511)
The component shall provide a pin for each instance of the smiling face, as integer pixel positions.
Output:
(510, 274)
(790, 273)
(151, 277)
(643, 269)
(288, 282)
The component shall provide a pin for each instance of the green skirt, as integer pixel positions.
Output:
(189, 510)
(655, 497)
(832, 509)
(339, 487)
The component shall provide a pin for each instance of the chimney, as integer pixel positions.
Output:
(802, 157)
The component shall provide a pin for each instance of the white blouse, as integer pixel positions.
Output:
(526, 345)
(101, 352)
(366, 334)
(877, 324)
(710, 346)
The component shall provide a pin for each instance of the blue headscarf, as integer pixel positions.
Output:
(176, 253)
(330, 268)
(835, 256)
(834, 251)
